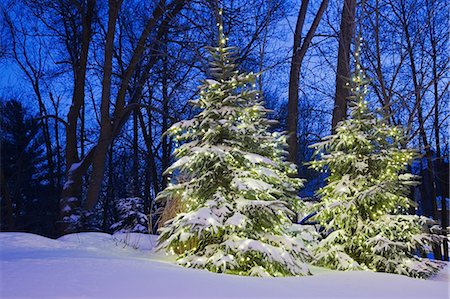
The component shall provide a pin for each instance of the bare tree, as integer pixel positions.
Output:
(31, 61)
(72, 24)
(75, 168)
(111, 126)
(299, 52)
(440, 181)
(346, 34)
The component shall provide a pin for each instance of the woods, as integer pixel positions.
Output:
(89, 88)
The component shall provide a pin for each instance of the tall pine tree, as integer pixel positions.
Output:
(365, 197)
(235, 185)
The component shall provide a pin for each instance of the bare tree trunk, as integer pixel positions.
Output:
(47, 139)
(422, 132)
(165, 113)
(106, 137)
(58, 173)
(110, 193)
(79, 87)
(55, 104)
(386, 97)
(444, 212)
(71, 194)
(82, 130)
(147, 187)
(135, 155)
(149, 145)
(346, 34)
(299, 52)
(110, 127)
(151, 180)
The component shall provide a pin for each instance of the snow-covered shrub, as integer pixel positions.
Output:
(130, 211)
(237, 188)
(366, 193)
(77, 219)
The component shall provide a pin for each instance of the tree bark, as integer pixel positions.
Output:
(71, 193)
(57, 142)
(346, 34)
(110, 193)
(165, 112)
(148, 139)
(106, 137)
(299, 51)
(135, 154)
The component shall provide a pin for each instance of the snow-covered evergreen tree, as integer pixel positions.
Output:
(132, 219)
(236, 187)
(365, 197)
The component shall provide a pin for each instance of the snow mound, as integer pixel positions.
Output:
(93, 239)
(98, 265)
(18, 240)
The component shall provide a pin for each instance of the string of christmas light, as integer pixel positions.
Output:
(235, 185)
(365, 196)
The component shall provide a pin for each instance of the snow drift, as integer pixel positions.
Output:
(98, 265)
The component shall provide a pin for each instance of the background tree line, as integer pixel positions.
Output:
(90, 86)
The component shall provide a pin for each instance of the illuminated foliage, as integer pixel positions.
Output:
(236, 188)
(366, 194)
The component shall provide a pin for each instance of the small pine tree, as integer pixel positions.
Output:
(236, 187)
(366, 194)
(131, 216)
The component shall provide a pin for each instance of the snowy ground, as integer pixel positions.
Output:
(97, 265)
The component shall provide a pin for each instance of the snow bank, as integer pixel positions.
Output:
(97, 265)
